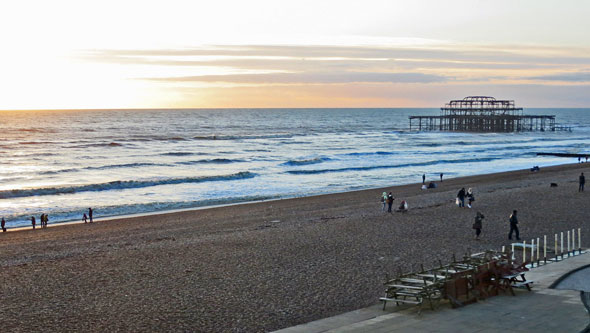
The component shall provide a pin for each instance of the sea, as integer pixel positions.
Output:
(126, 162)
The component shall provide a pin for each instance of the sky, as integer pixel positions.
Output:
(268, 53)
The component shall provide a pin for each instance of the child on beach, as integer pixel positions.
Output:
(84, 218)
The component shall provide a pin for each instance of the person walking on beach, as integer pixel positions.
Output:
(470, 196)
(33, 222)
(582, 182)
(389, 202)
(441, 174)
(423, 178)
(84, 217)
(3, 224)
(477, 224)
(42, 219)
(461, 197)
(513, 225)
(46, 220)
(384, 200)
(90, 214)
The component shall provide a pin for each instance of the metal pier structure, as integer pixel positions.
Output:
(483, 114)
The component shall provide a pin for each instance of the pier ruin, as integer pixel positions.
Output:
(483, 114)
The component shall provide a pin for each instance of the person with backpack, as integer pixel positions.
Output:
(390, 199)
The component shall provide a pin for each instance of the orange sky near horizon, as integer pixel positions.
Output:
(183, 54)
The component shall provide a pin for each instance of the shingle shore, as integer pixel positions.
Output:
(264, 266)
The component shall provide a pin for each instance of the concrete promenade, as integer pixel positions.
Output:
(542, 310)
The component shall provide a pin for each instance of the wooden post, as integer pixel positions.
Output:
(555, 248)
(561, 248)
(532, 252)
(580, 240)
(573, 242)
(545, 249)
(568, 243)
(538, 245)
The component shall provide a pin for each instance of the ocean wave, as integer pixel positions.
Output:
(242, 137)
(178, 153)
(119, 185)
(100, 144)
(370, 153)
(103, 167)
(374, 167)
(211, 161)
(306, 162)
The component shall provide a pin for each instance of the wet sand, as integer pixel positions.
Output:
(264, 266)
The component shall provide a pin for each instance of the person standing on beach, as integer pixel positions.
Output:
(582, 182)
(384, 200)
(3, 225)
(423, 178)
(389, 202)
(33, 222)
(441, 174)
(470, 196)
(46, 220)
(90, 214)
(477, 224)
(513, 226)
(461, 197)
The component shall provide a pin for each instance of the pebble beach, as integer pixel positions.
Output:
(263, 266)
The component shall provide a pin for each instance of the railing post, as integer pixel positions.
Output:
(573, 242)
(555, 248)
(561, 249)
(580, 240)
(524, 252)
(545, 249)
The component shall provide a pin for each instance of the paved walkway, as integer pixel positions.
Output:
(542, 310)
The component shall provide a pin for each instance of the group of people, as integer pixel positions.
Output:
(462, 195)
(478, 225)
(44, 218)
(387, 200)
(85, 218)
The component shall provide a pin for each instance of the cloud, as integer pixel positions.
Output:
(565, 77)
(312, 78)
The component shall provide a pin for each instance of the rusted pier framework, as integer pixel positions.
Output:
(482, 114)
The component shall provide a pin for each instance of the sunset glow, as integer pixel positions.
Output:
(185, 54)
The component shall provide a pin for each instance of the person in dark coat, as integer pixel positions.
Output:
(461, 196)
(582, 182)
(389, 202)
(477, 225)
(513, 226)
(3, 225)
(423, 178)
(33, 222)
(441, 175)
(90, 214)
